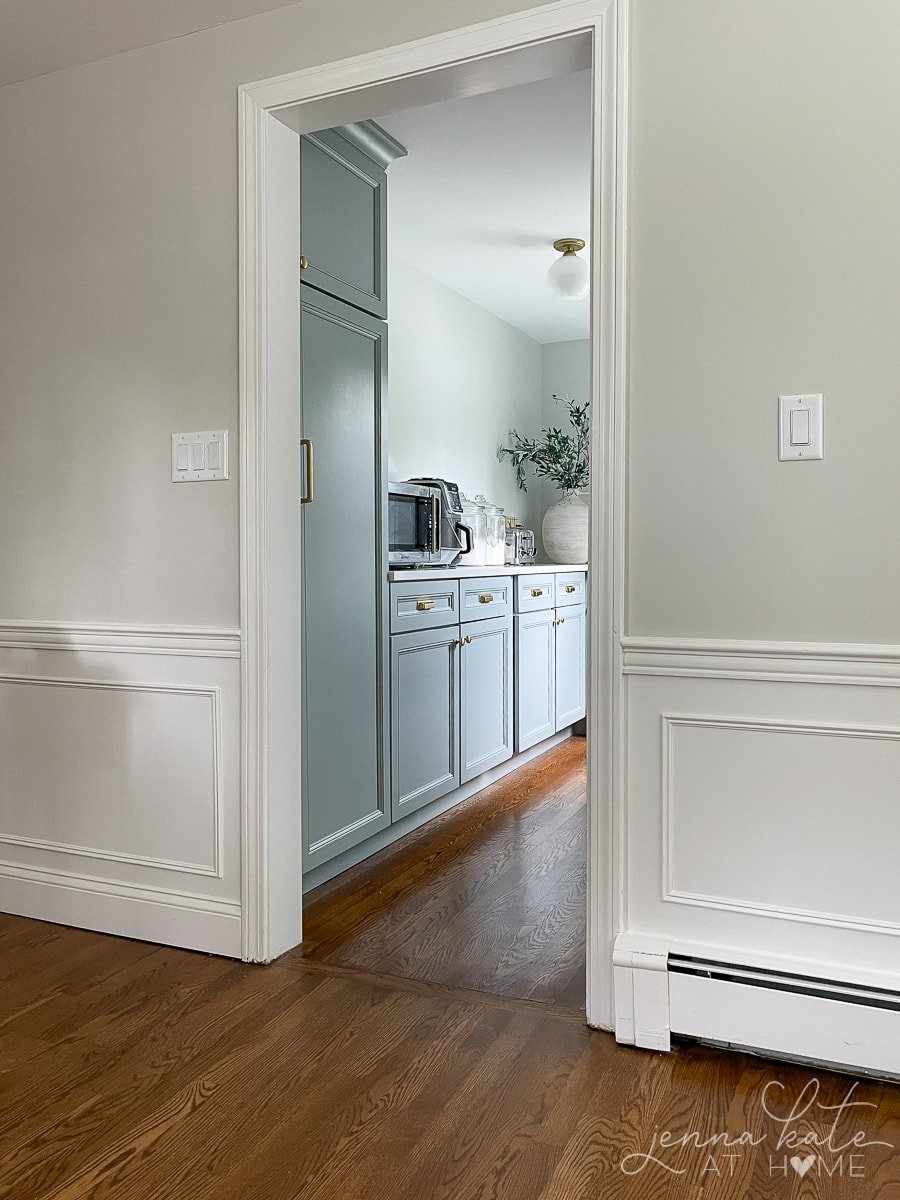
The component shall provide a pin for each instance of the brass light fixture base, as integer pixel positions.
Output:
(569, 245)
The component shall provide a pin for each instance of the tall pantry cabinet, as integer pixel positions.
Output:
(343, 375)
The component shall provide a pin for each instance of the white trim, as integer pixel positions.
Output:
(730, 648)
(670, 894)
(776, 662)
(606, 21)
(641, 983)
(127, 909)
(193, 641)
(214, 695)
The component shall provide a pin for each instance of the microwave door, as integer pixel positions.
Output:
(413, 529)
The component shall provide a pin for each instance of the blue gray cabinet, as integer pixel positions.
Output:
(535, 677)
(571, 665)
(425, 690)
(344, 591)
(486, 695)
(343, 213)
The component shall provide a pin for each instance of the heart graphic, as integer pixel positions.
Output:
(802, 1165)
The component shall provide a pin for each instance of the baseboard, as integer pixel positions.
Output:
(193, 922)
(386, 837)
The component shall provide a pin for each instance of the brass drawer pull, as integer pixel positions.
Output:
(424, 605)
(562, 620)
(570, 588)
(485, 598)
(463, 641)
(537, 592)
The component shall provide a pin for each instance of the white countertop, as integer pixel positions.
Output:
(424, 574)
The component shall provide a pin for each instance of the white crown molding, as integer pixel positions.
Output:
(193, 641)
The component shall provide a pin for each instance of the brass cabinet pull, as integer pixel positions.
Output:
(562, 620)
(310, 472)
(304, 262)
(570, 588)
(467, 640)
(537, 592)
(463, 641)
(424, 605)
(485, 598)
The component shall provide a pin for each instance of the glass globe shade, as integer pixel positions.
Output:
(569, 278)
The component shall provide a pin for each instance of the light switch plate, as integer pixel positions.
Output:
(197, 457)
(800, 428)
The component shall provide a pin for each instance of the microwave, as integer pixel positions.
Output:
(424, 529)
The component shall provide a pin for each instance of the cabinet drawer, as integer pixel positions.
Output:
(535, 592)
(571, 588)
(485, 597)
(425, 605)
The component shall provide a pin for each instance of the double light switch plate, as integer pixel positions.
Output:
(800, 428)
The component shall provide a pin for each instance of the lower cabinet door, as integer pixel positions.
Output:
(425, 684)
(535, 677)
(486, 694)
(571, 665)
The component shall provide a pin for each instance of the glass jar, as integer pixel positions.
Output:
(474, 517)
(495, 533)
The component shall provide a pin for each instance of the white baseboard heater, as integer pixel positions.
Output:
(659, 992)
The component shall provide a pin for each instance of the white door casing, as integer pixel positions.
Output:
(268, 245)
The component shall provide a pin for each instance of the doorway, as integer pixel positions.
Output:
(273, 115)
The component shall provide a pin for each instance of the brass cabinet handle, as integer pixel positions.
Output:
(562, 620)
(310, 472)
(570, 588)
(424, 605)
(304, 262)
(537, 592)
(467, 640)
(463, 641)
(485, 598)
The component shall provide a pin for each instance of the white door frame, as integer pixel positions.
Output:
(270, 842)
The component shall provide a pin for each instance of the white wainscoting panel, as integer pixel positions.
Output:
(763, 804)
(119, 781)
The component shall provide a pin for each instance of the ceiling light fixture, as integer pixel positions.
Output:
(569, 277)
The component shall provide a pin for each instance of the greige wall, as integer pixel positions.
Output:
(118, 309)
(459, 379)
(765, 258)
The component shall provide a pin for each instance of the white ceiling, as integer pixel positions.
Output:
(39, 36)
(489, 184)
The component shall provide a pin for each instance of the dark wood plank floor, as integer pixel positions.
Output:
(489, 897)
(373, 1068)
(137, 1073)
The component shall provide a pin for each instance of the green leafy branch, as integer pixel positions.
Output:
(563, 458)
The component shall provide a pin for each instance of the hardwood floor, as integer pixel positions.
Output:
(138, 1073)
(371, 1070)
(489, 897)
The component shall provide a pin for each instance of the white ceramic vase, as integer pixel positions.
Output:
(565, 530)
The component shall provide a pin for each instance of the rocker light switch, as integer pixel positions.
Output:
(800, 425)
(199, 456)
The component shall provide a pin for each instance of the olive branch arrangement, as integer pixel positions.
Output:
(563, 458)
